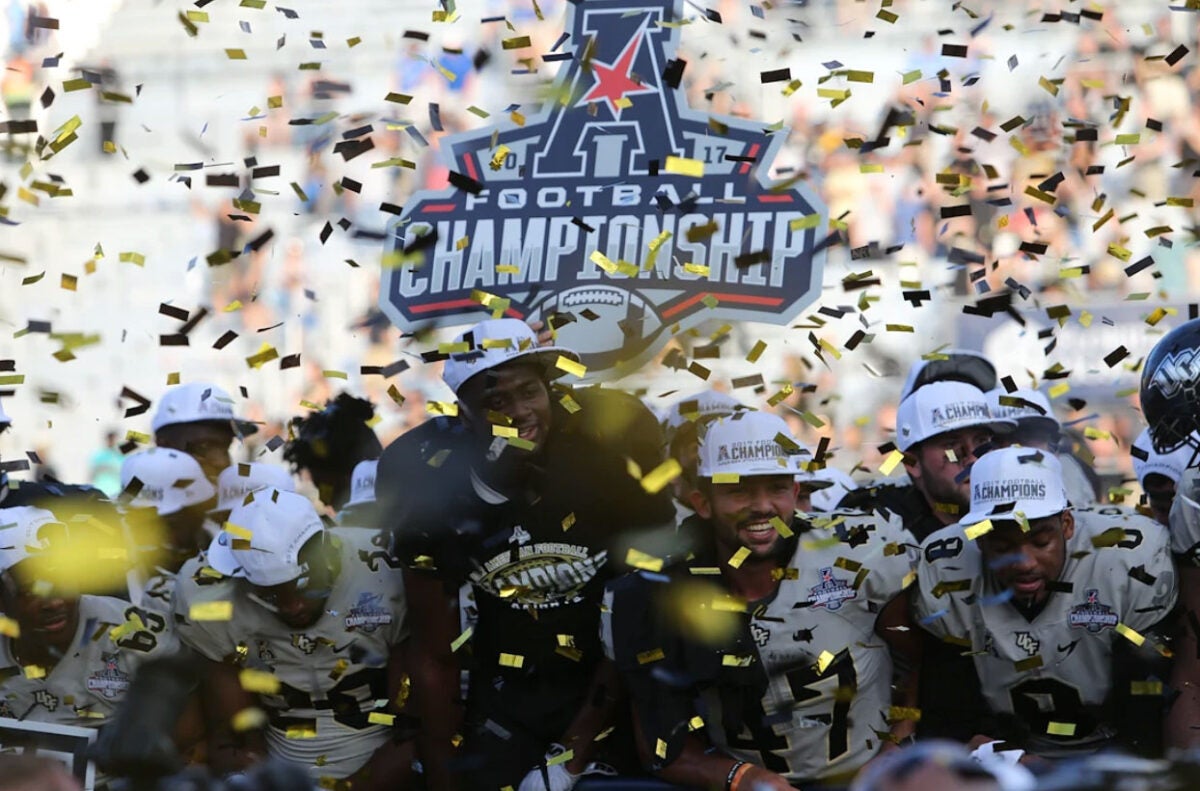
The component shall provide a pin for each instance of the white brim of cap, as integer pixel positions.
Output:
(221, 558)
(545, 356)
(1027, 509)
(810, 481)
(1154, 468)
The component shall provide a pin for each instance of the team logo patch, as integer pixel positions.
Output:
(1027, 642)
(110, 682)
(760, 634)
(616, 207)
(368, 614)
(304, 642)
(1092, 614)
(542, 575)
(44, 698)
(830, 592)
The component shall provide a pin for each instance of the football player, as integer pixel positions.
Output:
(293, 619)
(68, 659)
(198, 418)
(800, 689)
(238, 480)
(1057, 606)
(527, 495)
(329, 444)
(1170, 398)
(170, 487)
(1158, 474)
(684, 420)
(1037, 427)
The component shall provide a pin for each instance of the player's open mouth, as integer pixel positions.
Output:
(757, 531)
(1027, 586)
(54, 623)
(529, 432)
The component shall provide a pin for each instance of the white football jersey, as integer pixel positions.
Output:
(1185, 517)
(88, 684)
(1050, 670)
(332, 675)
(816, 637)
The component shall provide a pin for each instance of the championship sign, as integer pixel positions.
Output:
(617, 214)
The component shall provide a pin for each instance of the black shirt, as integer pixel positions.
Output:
(538, 559)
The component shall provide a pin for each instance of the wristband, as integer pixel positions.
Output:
(734, 777)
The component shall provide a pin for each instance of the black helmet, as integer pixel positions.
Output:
(1170, 391)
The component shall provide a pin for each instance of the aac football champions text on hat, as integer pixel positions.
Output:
(168, 480)
(1015, 483)
(747, 444)
(198, 402)
(942, 407)
(495, 342)
(1024, 405)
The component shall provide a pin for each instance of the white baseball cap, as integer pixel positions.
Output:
(1010, 481)
(362, 483)
(1171, 465)
(171, 480)
(958, 365)
(702, 405)
(1033, 407)
(745, 444)
(198, 402)
(233, 486)
(279, 524)
(498, 341)
(941, 407)
(19, 533)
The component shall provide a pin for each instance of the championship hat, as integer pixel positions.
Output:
(198, 402)
(494, 342)
(1009, 483)
(21, 533)
(262, 539)
(171, 480)
(362, 483)
(1026, 406)
(749, 443)
(941, 407)
(238, 480)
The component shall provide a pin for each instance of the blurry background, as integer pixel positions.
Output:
(172, 131)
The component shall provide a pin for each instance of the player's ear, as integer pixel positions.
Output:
(1068, 525)
(910, 462)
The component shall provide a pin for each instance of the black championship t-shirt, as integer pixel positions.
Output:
(538, 558)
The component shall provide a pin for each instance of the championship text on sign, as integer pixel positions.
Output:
(616, 212)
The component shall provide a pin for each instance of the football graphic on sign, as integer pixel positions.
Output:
(615, 212)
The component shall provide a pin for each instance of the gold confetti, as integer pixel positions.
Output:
(462, 639)
(249, 719)
(1060, 728)
(640, 560)
(655, 480)
(739, 557)
(823, 661)
(726, 477)
(211, 611)
(575, 369)
(9, 627)
(975, 531)
(34, 671)
(1129, 634)
(380, 718)
(889, 464)
(512, 660)
(682, 166)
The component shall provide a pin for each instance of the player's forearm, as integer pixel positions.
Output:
(906, 677)
(436, 686)
(598, 712)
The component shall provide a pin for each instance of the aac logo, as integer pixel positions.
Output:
(617, 210)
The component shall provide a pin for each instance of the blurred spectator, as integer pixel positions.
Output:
(104, 467)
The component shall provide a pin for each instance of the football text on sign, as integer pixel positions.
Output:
(616, 207)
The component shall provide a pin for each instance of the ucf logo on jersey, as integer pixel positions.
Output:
(1027, 642)
(44, 698)
(304, 642)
